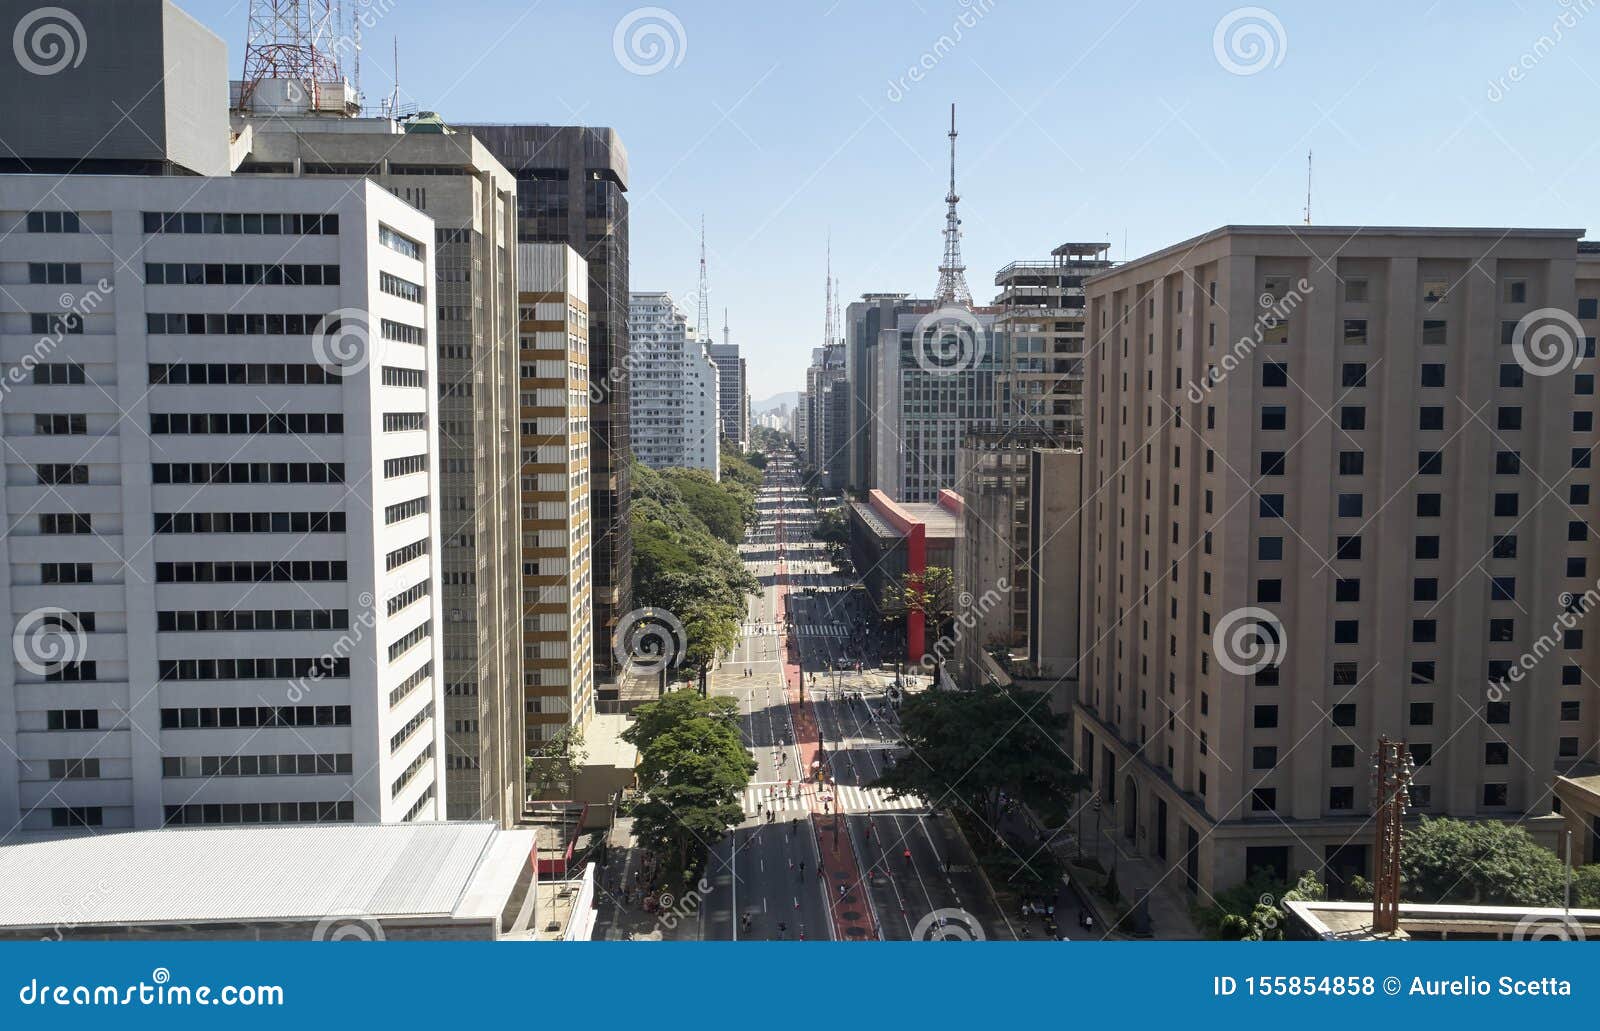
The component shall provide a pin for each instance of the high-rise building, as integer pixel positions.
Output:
(557, 571)
(1040, 318)
(733, 395)
(674, 388)
(1338, 491)
(472, 199)
(222, 543)
(572, 184)
(864, 323)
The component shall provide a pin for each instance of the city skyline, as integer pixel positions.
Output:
(862, 149)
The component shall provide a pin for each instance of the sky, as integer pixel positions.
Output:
(1139, 124)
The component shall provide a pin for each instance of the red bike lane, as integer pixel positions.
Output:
(852, 915)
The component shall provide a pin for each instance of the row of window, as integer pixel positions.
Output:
(286, 765)
(216, 423)
(401, 333)
(395, 422)
(316, 668)
(416, 592)
(275, 324)
(1354, 374)
(413, 637)
(405, 510)
(410, 683)
(258, 812)
(405, 466)
(234, 373)
(423, 715)
(250, 522)
(228, 717)
(405, 289)
(238, 274)
(251, 572)
(247, 472)
(394, 376)
(230, 620)
(240, 223)
(408, 553)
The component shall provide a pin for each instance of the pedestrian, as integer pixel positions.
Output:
(1088, 924)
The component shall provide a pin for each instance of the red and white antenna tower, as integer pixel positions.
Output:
(293, 40)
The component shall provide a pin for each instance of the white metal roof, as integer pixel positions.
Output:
(276, 872)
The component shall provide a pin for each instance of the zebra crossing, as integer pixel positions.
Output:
(826, 630)
(776, 797)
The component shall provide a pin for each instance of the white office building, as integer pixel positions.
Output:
(674, 391)
(221, 548)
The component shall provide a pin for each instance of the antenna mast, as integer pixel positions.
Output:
(724, 327)
(827, 294)
(294, 40)
(703, 322)
(1308, 187)
(952, 273)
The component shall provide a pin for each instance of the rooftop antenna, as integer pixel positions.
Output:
(354, 23)
(827, 293)
(724, 327)
(703, 322)
(952, 273)
(293, 40)
(394, 94)
(1308, 187)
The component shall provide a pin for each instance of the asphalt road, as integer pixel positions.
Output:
(921, 879)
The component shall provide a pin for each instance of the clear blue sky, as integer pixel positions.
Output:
(1078, 121)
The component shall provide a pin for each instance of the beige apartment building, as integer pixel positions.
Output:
(557, 562)
(1334, 492)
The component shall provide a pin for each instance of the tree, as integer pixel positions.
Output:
(1479, 862)
(555, 765)
(692, 772)
(973, 745)
(1253, 910)
(931, 592)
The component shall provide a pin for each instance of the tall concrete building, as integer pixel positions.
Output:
(933, 380)
(472, 199)
(1040, 382)
(1338, 492)
(557, 568)
(733, 394)
(572, 184)
(864, 321)
(221, 550)
(674, 388)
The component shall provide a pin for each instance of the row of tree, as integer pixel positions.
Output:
(686, 530)
(692, 772)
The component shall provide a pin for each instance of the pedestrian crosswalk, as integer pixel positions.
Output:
(797, 800)
(824, 630)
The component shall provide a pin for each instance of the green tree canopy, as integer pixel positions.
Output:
(1477, 862)
(692, 771)
(972, 745)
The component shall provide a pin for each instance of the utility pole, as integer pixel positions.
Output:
(1392, 771)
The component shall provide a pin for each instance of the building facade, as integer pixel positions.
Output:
(572, 184)
(733, 394)
(472, 199)
(1040, 382)
(1332, 498)
(557, 566)
(674, 388)
(219, 504)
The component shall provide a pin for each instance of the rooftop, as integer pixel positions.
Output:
(288, 872)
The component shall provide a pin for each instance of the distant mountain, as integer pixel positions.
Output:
(790, 398)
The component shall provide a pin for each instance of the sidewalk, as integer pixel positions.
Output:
(1138, 877)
